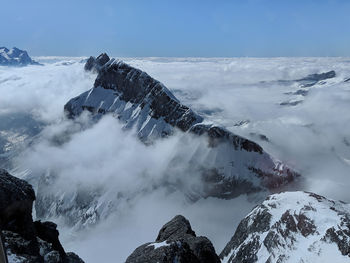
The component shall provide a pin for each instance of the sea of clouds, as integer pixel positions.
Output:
(313, 137)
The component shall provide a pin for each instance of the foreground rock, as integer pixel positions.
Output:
(176, 242)
(15, 57)
(23, 239)
(292, 227)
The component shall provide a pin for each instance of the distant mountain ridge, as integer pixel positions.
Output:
(15, 57)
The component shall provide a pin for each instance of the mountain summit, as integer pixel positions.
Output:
(15, 57)
(230, 165)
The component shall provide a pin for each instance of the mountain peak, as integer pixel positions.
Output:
(15, 57)
(292, 227)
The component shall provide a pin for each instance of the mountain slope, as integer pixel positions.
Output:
(145, 104)
(292, 227)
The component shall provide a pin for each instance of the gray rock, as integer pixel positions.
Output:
(176, 242)
(95, 64)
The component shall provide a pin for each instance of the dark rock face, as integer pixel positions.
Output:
(15, 57)
(95, 64)
(176, 242)
(219, 134)
(292, 227)
(25, 240)
(148, 97)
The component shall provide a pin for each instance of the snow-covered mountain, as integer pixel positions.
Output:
(216, 162)
(15, 57)
(292, 227)
(231, 164)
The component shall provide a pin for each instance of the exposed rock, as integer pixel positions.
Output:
(292, 227)
(25, 240)
(95, 64)
(15, 57)
(176, 242)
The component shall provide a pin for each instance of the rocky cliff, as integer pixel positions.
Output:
(22, 239)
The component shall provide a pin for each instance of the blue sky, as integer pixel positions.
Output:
(216, 28)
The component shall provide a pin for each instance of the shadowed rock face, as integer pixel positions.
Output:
(292, 227)
(95, 64)
(176, 242)
(25, 240)
(15, 57)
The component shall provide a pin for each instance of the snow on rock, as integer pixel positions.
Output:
(15, 57)
(292, 227)
(176, 242)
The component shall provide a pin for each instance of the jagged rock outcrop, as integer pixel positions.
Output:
(135, 98)
(176, 242)
(292, 227)
(95, 64)
(23, 239)
(15, 57)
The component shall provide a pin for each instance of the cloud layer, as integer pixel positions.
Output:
(313, 137)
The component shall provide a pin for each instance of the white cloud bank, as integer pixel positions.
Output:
(312, 136)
